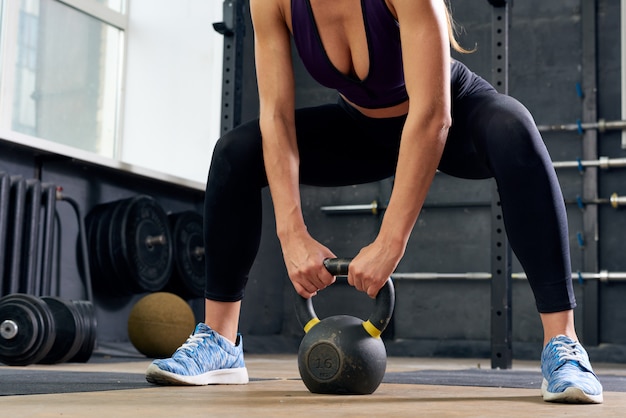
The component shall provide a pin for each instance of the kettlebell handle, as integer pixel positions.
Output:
(337, 266)
(377, 321)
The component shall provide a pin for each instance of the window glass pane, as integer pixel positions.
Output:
(117, 5)
(66, 78)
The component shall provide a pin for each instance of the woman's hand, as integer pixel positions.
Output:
(370, 269)
(304, 258)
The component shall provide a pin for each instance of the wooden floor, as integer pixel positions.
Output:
(277, 391)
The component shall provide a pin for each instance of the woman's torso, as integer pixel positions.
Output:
(337, 43)
(354, 47)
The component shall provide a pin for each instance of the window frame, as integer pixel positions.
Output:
(8, 50)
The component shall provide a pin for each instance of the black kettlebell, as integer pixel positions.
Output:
(343, 354)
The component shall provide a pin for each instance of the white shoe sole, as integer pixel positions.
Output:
(238, 376)
(569, 395)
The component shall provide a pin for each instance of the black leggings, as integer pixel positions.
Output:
(492, 135)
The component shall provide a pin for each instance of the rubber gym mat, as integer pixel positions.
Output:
(37, 382)
(489, 378)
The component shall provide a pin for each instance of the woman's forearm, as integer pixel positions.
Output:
(421, 148)
(281, 158)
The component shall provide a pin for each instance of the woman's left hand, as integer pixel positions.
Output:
(371, 268)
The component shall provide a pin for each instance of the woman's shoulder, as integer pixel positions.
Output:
(270, 4)
(265, 8)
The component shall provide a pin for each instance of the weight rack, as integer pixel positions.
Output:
(36, 325)
(27, 228)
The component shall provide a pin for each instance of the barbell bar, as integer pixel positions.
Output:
(601, 125)
(151, 241)
(603, 276)
(603, 163)
(374, 208)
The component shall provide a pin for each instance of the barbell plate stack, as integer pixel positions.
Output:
(131, 246)
(27, 329)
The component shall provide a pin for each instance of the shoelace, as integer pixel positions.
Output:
(193, 341)
(567, 351)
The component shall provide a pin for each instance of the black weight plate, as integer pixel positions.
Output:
(82, 329)
(27, 330)
(114, 236)
(150, 266)
(108, 280)
(88, 324)
(5, 194)
(68, 337)
(188, 277)
(92, 221)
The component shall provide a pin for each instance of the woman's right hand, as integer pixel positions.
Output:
(304, 259)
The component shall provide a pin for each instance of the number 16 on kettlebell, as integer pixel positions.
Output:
(343, 354)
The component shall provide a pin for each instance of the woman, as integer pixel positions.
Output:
(405, 110)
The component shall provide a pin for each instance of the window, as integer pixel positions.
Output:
(62, 71)
(131, 84)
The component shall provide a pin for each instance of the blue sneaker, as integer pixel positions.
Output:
(206, 358)
(567, 373)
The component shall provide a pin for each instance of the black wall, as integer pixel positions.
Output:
(452, 317)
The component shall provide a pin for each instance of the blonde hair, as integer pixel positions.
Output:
(452, 32)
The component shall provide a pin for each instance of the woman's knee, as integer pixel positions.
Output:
(510, 133)
(238, 150)
(506, 116)
(243, 141)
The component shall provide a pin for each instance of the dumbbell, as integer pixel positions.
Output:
(45, 330)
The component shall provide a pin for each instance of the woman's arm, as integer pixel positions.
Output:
(426, 57)
(303, 255)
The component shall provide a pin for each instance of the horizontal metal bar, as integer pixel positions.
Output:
(601, 125)
(369, 208)
(603, 162)
(375, 208)
(617, 201)
(438, 276)
(603, 276)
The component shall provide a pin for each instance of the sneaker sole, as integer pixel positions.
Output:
(569, 395)
(238, 376)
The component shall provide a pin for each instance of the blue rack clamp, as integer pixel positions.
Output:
(580, 278)
(581, 240)
(580, 203)
(581, 167)
(579, 126)
(579, 91)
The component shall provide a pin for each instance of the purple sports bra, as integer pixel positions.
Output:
(384, 84)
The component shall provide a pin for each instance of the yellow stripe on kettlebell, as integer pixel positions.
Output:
(371, 329)
(311, 324)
